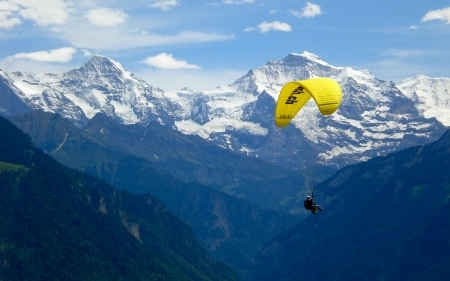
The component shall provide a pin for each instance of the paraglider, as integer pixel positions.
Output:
(326, 93)
(294, 95)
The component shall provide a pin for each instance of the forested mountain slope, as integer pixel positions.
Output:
(232, 229)
(59, 224)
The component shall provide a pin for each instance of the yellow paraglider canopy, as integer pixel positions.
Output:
(294, 95)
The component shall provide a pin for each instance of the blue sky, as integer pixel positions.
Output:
(203, 44)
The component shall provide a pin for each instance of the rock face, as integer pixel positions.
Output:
(10, 103)
(375, 117)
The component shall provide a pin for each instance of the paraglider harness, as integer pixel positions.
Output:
(310, 205)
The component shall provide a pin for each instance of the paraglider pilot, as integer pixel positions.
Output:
(310, 205)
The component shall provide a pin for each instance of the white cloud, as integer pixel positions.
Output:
(442, 14)
(237, 2)
(52, 12)
(166, 61)
(249, 29)
(86, 53)
(57, 55)
(165, 5)
(413, 27)
(276, 25)
(8, 6)
(106, 17)
(309, 11)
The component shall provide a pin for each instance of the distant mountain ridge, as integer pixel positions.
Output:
(375, 117)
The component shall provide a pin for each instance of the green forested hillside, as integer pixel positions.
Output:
(385, 219)
(232, 229)
(59, 224)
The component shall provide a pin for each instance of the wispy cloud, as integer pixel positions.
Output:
(399, 64)
(166, 61)
(442, 14)
(164, 5)
(202, 80)
(309, 11)
(248, 29)
(116, 39)
(8, 21)
(276, 25)
(12, 12)
(237, 2)
(402, 53)
(106, 17)
(57, 55)
(8, 17)
(86, 53)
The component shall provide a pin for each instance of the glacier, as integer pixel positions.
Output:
(430, 95)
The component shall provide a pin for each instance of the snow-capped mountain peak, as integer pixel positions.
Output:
(99, 85)
(309, 56)
(105, 66)
(431, 96)
(274, 74)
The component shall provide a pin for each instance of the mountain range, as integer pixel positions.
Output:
(375, 117)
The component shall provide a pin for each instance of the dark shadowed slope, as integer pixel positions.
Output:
(59, 224)
(385, 219)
